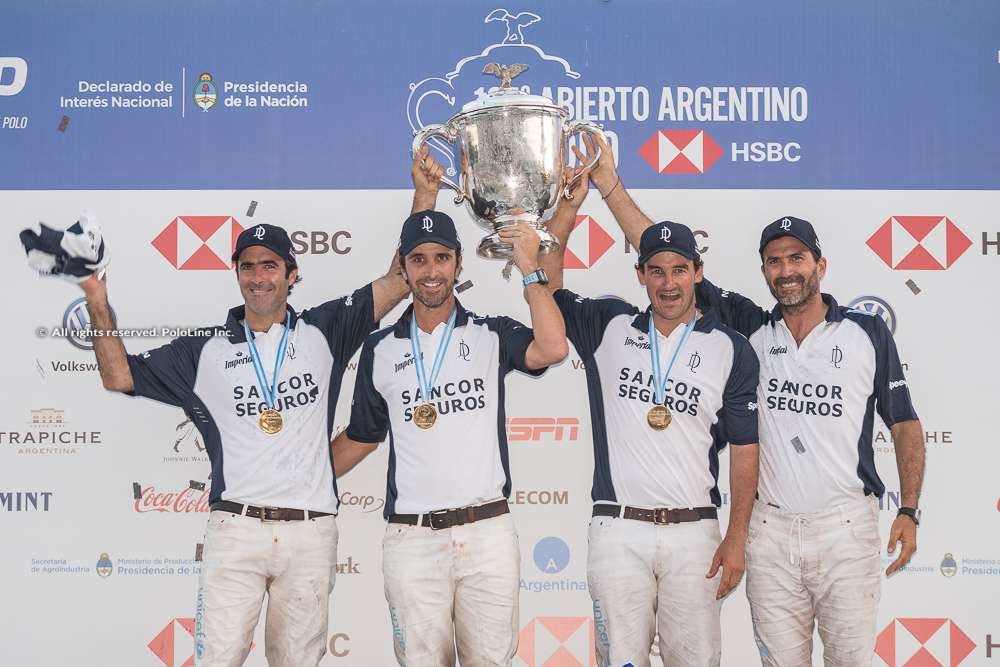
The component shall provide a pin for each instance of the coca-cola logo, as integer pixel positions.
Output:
(185, 501)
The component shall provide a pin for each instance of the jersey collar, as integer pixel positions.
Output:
(234, 329)
(401, 329)
(709, 320)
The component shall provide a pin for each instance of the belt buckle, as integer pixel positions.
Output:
(264, 518)
(661, 515)
(437, 513)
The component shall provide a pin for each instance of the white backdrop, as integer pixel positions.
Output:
(62, 607)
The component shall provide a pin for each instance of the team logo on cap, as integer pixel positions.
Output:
(428, 225)
(259, 232)
(665, 234)
(786, 224)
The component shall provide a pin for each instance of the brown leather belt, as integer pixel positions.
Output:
(266, 513)
(660, 515)
(440, 519)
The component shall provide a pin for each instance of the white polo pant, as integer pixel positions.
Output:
(646, 578)
(456, 586)
(822, 567)
(293, 562)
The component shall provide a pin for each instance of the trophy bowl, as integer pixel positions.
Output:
(512, 148)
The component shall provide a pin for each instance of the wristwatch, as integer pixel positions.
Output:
(911, 512)
(536, 276)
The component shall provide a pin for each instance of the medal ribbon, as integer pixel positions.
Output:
(660, 382)
(268, 390)
(418, 360)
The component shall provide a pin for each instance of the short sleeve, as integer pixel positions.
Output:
(345, 322)
(369, 412)
(739, 401)
(892, 395)
(587, 319)
(514, 341)
(167, 374)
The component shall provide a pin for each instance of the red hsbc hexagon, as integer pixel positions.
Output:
(923, 642)
(164, 644)
(557, 641)
(680, 151)
(919, 242)
(587, 243)
(199, 242)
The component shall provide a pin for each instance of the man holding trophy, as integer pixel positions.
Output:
(266, 425)
(434, 382)
(669, 387)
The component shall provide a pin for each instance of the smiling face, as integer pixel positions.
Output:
(792, 272)
(431, 270)
(669, 280)
(264, 280)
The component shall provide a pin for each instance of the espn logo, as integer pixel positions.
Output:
(535, 429)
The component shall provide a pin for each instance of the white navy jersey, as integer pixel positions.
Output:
(462, 459)
(711, 394)
(212, 378)
(818, 400)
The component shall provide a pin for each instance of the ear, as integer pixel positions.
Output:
(822, 267)
(640, 274)
(699, 274)
(458, 266)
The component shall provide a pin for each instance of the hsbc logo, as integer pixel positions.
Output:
(535, 429)
(321, 242)
(199, 242)
(918, 642)
(680, 151)
(556, 641)
(13, 75)
(919, 242)
(170, 644)
(588, 244)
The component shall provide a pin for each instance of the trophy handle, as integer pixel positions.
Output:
(446, 132)
(569, 130)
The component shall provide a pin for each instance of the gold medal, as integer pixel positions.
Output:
(270, 421)
(658, 417)
(424, 415)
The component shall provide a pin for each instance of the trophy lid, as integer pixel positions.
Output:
(503, 97)
(506, 95)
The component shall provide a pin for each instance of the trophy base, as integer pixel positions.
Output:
(492, 247)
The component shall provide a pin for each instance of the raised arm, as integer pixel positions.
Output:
(426, 174)
(112, 359)
(561, 226)
(549, 345)
(389, 290)
(605, 178)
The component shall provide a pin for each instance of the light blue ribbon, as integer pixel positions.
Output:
(268, 390)
(660, 382)
(418, 359)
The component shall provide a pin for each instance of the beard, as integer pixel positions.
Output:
(433, 298)
(797, 299)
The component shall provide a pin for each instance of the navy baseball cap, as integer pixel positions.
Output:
(428, 227)
(668, 236)
(794, 227)
(272, 237)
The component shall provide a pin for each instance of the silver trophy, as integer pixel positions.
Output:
(513, 150)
